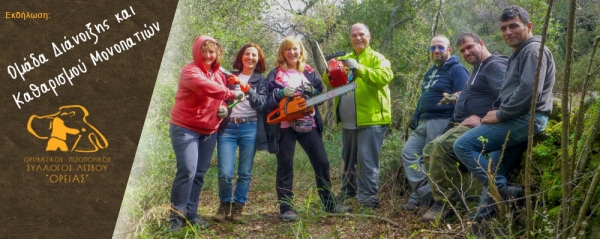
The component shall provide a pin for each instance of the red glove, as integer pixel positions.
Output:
(244, 87)
(233, 80)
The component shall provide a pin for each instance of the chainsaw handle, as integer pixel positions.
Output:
(278, 115)
(289, 109)
(352, 75)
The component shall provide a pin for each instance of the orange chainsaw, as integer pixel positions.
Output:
(291, 108)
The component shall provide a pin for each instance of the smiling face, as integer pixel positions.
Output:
(208, 57)
(211, 54)
(441, 50)
(292, 55)
(472, 51)
(515, 32)
(250, 59)
(359, 37)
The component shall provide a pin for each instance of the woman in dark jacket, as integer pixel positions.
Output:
(243, 128)
(294, 76)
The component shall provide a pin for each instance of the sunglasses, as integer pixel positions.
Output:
(441, 48)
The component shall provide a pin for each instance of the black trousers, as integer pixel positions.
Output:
(312, 144)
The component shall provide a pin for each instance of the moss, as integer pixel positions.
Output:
(545, 155)
(553, 213)
(551, 183)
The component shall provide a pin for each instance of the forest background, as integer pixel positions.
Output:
(401, 31)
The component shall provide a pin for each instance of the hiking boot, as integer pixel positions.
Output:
(176, 224)
(436, 212)
(514, 194)
(410, 206)
(425, 201)
(340, 209)
(200, 222)
(222, 211)
(371, 202)
(236, 212)
(288, 216)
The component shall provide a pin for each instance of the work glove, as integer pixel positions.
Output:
(449, 98)
(239, 95)
(309, 90)
(288, 91)
(234, 80)
(222, 112)
(413, 124)
(351, 64)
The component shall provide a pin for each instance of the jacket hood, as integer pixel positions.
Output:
(532, 39)
(453, 60)
(495, 57)
(197, 53)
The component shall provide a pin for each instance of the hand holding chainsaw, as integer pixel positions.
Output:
(288, 91)
(308, 90)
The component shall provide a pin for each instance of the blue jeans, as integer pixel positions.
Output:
(244, 136)
(470, 150)
(193, 152)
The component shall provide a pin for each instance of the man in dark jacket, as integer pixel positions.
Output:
(476, 99)
(447, 75)
(510, 118)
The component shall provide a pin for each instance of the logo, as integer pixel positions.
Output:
(433, 78)
(67, 130)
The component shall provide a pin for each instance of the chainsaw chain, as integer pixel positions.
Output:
(334, 55)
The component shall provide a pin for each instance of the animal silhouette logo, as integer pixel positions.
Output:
(65, 129)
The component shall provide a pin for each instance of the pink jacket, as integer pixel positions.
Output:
(200, 94)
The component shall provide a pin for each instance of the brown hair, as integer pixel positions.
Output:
(463, 38)
(288, 43)
(260, 66)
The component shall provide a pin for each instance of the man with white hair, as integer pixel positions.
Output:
(364, 121)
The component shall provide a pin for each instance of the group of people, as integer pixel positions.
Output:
(230, 111)
(488, 125)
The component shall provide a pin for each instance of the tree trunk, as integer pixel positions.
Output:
(529, 223)
(567, 168)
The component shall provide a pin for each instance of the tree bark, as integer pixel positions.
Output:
(529, 223)
(567, 168)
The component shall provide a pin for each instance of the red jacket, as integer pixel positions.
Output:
(200, 94)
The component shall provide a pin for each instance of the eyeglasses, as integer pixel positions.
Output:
(441, 48)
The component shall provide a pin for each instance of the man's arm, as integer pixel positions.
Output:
(520, 101)
(375, 70)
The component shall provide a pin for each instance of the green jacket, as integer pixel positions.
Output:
(374, 73)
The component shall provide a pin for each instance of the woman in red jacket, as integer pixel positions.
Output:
(199, 108)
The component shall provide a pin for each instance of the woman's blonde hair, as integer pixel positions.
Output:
(288, 43)
(210, 45)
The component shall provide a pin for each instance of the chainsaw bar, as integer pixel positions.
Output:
(330, 94)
